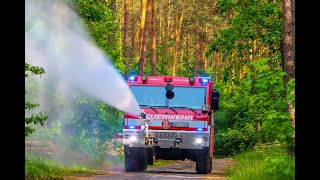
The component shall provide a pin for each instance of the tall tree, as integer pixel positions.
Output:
(288, 42)
(177, 37)
(132, 30)
(145, 39)
(142, 23)
(167, 34)
(288, 48)
(206, 41)
(126, 37)
(154, 23)
(196, 67)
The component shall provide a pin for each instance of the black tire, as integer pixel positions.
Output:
(150, 156)
(203, 162)
(136, 160)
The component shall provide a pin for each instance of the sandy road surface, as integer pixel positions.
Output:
(177, 170)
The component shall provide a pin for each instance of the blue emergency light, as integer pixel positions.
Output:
(199, 129)
(132, 78)
(204, 81)
(131, 127)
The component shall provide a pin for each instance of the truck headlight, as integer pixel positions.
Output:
(133, 138)
(199, 141)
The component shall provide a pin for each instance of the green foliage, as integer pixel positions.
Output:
(33, 70)
(40, 168)
(38, 118)
(252, 103)
(84, 125)
(253, 26)
(234, 140)
(258, 99)
(282, 165)
(234, 128)
(101, 23)
(270, 101)
(265, 162)
(290, 95)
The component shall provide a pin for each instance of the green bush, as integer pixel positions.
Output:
(270, 162)
(254, 110)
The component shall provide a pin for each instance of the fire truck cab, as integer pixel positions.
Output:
(176, 122)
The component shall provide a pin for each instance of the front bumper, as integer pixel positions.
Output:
(166, 138)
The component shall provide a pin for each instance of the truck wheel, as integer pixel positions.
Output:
(150, 156)
(203, 163)
(136, 160)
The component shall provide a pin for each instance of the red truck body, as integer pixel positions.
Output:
(176, 123)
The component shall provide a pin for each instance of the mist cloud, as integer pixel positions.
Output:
(56, 41)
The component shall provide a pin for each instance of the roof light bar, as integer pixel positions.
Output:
(166, 79)
(132, 78)
(204, 80)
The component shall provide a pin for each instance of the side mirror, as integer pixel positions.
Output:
(215, 100)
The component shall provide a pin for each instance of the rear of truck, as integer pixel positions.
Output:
(176, 122)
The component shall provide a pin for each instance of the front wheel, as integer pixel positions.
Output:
(136, 160)
(203, 162)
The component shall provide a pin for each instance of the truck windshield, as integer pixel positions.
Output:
(193, 97)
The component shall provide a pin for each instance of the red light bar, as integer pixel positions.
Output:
(166, 79)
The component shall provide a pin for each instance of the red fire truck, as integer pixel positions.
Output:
(176, 122)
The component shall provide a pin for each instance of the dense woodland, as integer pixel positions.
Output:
(245, 46)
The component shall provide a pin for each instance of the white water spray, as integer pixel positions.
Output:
(56, 41)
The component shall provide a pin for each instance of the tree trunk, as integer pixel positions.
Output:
(177, 34)
(181, 56)
(132, 30)
(288, 51)
(206, 38)
(161, 29)
(288, 42)
(167, 35)
(154, 21)
(187, 44)
(142, 23)
(126, 38)
(196, 67)
(143, 53)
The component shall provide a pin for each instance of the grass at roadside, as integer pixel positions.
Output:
(157, 163)
(39, 168)
(265, 163)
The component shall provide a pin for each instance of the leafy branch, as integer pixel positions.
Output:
(39, 118)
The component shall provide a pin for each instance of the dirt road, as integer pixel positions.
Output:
(177, 170)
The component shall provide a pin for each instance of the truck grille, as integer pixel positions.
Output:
(166, 135)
